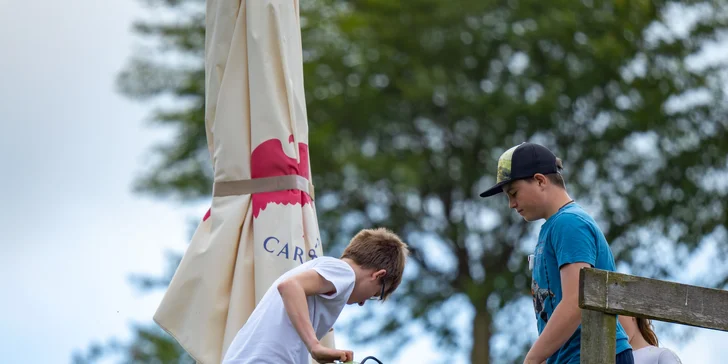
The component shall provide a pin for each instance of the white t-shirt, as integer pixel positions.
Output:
(268, 337)
(654, 355)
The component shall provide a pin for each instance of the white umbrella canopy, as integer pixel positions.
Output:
(262, 221)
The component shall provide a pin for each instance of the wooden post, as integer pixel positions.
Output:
(598, 337)
(603, 294)
(622, 294)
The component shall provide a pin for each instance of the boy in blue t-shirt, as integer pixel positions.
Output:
(569, 240)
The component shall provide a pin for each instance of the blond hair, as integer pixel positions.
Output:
(379, 249)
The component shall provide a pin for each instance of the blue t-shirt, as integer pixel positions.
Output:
(569, 236)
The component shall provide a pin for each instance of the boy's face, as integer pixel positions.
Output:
(527, 198)
(369, 285)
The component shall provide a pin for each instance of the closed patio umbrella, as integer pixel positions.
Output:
(262, 220)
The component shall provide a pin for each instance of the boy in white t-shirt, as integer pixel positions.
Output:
(303, 304)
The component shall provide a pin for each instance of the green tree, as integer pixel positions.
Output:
(410, 103)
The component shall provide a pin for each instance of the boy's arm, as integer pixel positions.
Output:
(565, 319)
(294, 291)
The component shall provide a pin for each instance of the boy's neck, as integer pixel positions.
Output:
(353, 265)
(560, 199)
(358, 270)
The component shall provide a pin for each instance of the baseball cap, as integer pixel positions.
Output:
(520, 162)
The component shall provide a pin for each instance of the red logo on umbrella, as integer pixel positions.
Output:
(268, 160)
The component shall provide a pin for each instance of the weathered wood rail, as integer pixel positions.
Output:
(603, 295)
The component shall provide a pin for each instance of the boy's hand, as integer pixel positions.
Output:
(323, 354)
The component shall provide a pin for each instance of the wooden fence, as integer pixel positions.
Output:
(603, 295)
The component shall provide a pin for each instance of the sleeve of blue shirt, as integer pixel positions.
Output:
(573, 240)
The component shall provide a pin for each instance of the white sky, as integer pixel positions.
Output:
(73, 231)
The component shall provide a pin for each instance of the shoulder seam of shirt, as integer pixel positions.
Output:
(670, 353)
(349, 269)
(581, 218)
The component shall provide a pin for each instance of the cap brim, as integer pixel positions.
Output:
(498, 188)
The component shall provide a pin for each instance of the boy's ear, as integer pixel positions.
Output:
(379, 274)
(540, 179)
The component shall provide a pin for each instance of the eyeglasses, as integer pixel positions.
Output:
(381, 295)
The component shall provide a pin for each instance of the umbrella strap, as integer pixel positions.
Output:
(264, 184)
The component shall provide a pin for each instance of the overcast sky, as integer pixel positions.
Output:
(73, 230)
